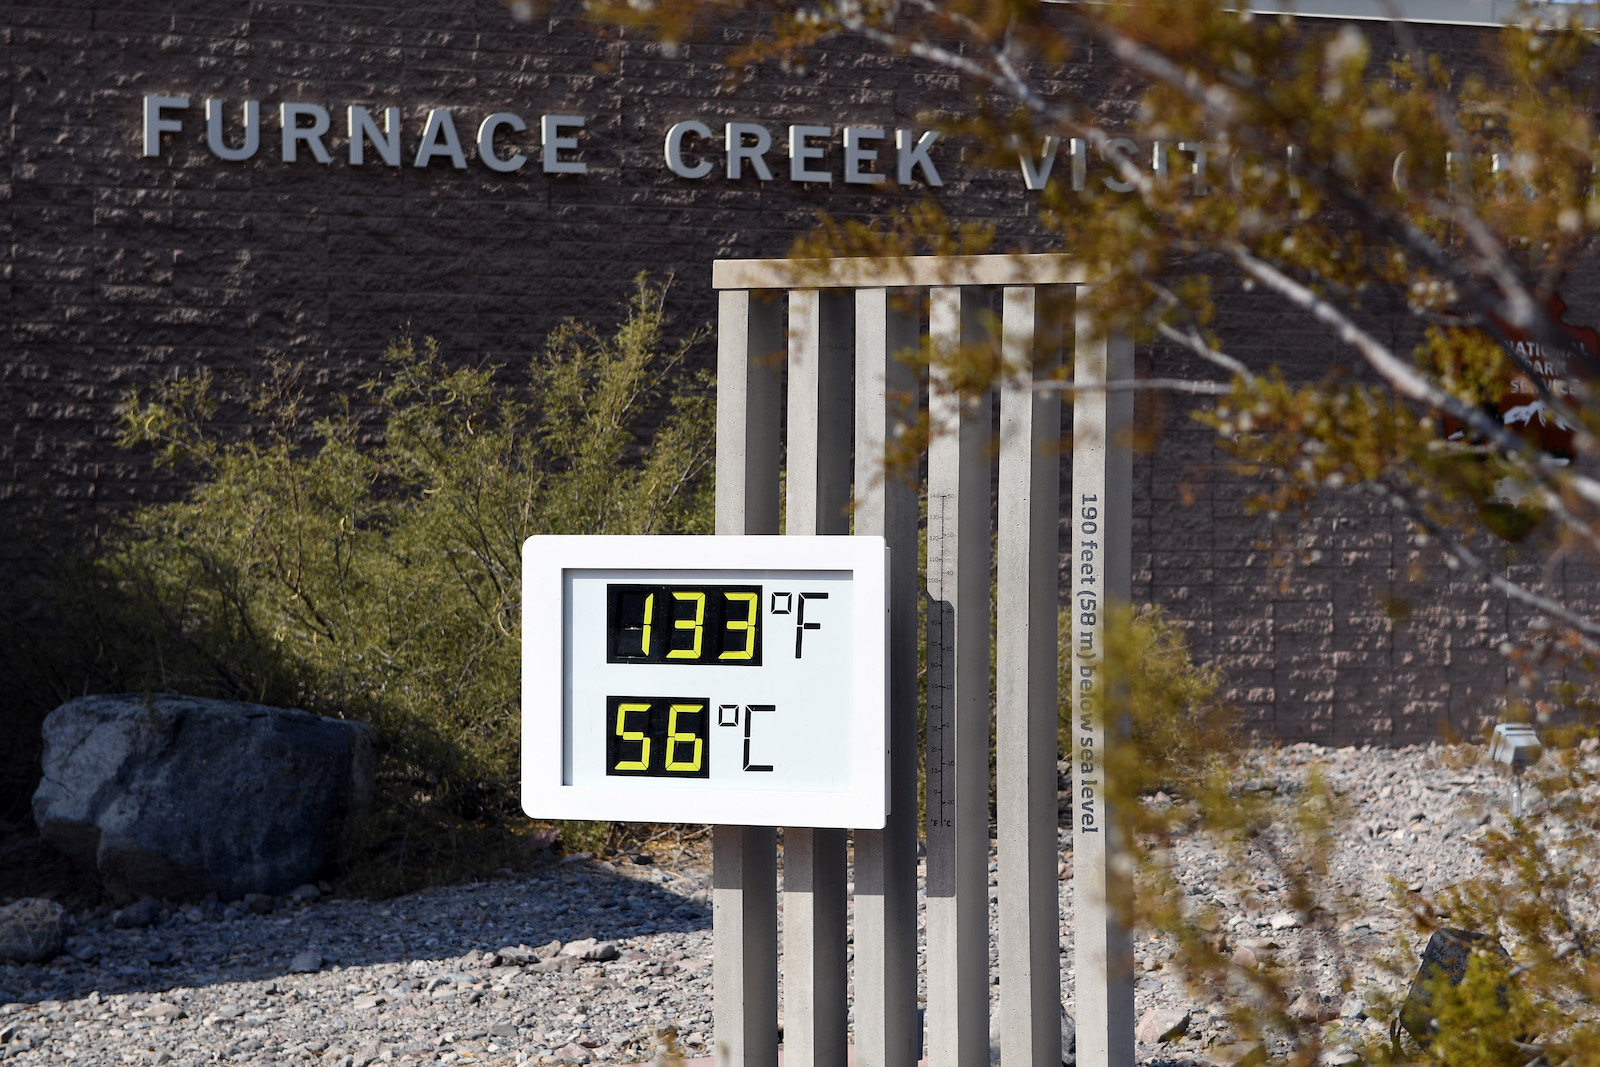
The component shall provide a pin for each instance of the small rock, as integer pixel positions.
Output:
(32, 930)
(1309, 1007)
(369, 1001)
(1287, 920)
(547, 951)
(160, 957)
(644, 859)
(306, 894)
(603, 951)
(307, 962)
(515, 956)
(504, 1028)
(577, 857)
(86, 952)
(258, 903)
(164, 1012)
(579, 948)
(225, 1013)
(1246, 958)
(140, 913)
(573, 1052)
(1341, 1057)
(1160, 1025)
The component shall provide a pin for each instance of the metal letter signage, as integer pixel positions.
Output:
(733, 680)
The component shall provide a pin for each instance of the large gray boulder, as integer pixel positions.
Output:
(173, 796)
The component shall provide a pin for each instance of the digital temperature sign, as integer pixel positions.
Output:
(705, 679)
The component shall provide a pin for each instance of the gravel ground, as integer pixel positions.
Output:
(496, 972)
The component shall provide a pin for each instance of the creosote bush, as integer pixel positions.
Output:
(1180, 726)
(368, 567)
(1535, 894)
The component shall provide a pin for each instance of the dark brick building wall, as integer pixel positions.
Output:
(120, 269)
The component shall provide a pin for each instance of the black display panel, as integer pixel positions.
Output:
(658, 737)
(698, 624)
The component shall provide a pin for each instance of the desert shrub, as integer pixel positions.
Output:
(1180, 726)
(1534, 893)
(367, 565)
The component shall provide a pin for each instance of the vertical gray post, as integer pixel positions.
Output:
(744, 888)
(818, 470)
(886, 860)
(1025, 681)
(1099, 574)
(958, 703)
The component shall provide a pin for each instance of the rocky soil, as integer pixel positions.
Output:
(505, 971)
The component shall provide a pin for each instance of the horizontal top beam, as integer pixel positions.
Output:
(1491, 13)
(867, 273)
(1444, 12)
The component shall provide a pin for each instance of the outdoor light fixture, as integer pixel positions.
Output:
(1517, 746)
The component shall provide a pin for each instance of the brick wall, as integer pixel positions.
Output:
(121, 269)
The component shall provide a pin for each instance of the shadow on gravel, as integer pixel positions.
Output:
(197, 946)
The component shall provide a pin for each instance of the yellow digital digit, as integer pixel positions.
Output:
(674, 738)
(747, 624)
(643, 762)
(697, 624)
(649, 609)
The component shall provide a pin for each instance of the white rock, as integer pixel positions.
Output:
(1159, 1025)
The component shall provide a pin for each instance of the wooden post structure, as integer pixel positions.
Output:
(1025, 675)
(1100, 512)
(744, 893)
(957, 760)
(832, 308)
(821, 324)
(886, 860)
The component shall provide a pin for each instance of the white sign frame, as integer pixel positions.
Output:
(547, 560)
